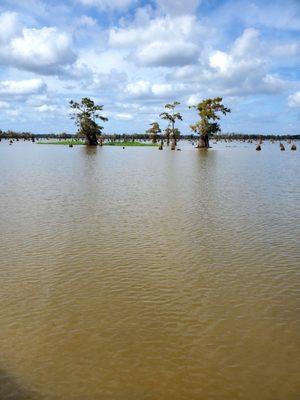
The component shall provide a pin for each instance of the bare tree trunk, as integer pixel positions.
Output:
(203, 142)
(91, 140)
(161, 146)
(206, 139)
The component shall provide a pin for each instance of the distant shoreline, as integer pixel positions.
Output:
(144, 136)
(82, 142)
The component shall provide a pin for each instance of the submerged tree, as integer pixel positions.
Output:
(175, 136)
(154, 131)
(168, 132)
(86, 112)
(208, 111)
(171, 117)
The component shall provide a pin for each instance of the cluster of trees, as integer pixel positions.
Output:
(170, 132)
(229, 136)
(9, 134)
(209, 112)
(86, 113)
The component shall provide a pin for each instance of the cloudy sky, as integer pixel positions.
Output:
(133, 56)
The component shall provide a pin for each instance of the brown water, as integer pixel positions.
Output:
(137, 274)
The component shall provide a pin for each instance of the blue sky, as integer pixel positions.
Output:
(134, 56)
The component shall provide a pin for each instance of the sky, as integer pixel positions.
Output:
(134, 56)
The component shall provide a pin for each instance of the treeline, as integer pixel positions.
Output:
(245, 136)
(144, 136)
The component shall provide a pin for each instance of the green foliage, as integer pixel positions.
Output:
(154, 131)
(168, 132)
(208, 111)
(171, 117)
(86, 112)
(175, 134)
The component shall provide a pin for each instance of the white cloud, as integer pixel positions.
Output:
(159, 29)
(194, 99)
(10, 26)
(138, 89)
(178, 7)
(294, 100)
(145, 90)
(22, 87)
(273, 83)
(44, 50)
(47, 108)
(165, 41)
(167, 54)
(124, 117)
(244, 68)
(243, 58)
(221, 61)
(86, 20)
(247, 44)
(108, 4)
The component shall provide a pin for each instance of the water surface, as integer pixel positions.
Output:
(140, 274)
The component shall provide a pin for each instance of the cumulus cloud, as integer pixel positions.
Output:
(45, 50)
(42, 50)
(294, 100)
(243, 58)
(139, 89)
(243, 69)
(142, 89)
(21, 88)
(194, 99)
(123, 116)
(167, 54)
(165, 41)
(47, 108)
(158, 29)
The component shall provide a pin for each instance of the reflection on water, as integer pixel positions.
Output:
(9, 389)
(140, 274)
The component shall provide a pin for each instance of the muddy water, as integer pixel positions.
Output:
(144, 275)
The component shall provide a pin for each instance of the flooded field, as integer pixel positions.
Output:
(140, 274)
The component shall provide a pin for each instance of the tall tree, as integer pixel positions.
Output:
(86, 112)
(171, 117)
(208, 111)
(154, 131)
